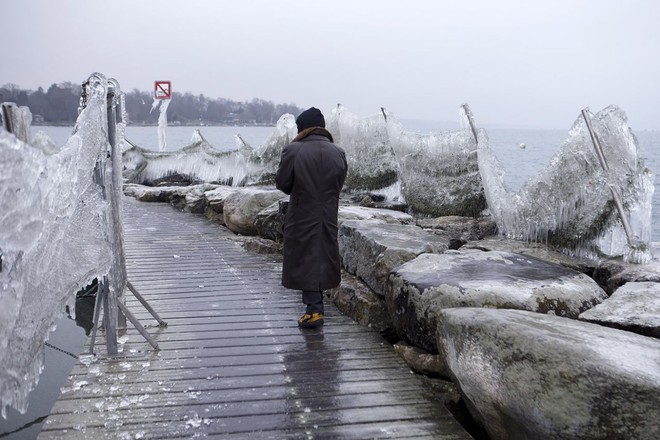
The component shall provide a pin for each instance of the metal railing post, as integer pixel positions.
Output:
(603, 163)
(112, 140)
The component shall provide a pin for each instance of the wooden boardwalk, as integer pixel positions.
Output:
(233, 363)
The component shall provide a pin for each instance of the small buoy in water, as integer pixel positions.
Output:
(523, 146)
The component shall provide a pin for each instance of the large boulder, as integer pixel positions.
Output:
(622, 273)
(215, 201)
(419, 289)
(525, 375)
(194, 200)
(634, 307)
(242, 206)
(536, 250)
(270, 220)
(352, 212)
(370, 249)
(176, 195)
(466, 228)
(357, 301)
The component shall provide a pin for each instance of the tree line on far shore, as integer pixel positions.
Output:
(59, 106)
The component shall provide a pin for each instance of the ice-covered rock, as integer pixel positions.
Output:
(622, 273)
(525, 375)
(466, 228)
(270, 220)
(215, 202)
(634, 307)
(421, 361)
(540, 251)
(418, 290)
(370, 249)
(351, 212)
(186, 198)
(242, 206)
(356, 300)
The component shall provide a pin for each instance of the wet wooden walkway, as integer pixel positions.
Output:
(233, 363)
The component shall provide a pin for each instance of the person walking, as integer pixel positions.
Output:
(312, 171)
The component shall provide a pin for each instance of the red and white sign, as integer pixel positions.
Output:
(163, 89)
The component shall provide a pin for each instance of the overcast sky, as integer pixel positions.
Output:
(518, 64)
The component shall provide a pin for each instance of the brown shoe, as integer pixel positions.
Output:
(310, 321)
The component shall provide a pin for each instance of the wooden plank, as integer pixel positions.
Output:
(233, 363)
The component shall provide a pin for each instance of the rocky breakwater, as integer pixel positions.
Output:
(448, 288)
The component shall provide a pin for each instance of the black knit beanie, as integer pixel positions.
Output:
(312, 117)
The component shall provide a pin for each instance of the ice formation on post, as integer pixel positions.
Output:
(162, 105)
(371, 161)
(439, 171)
(55, 239)
(569, 204)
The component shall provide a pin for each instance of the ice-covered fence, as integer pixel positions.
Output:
(439, 171)
(200, 162)
(369, 153)
(569, 204)
(56, 236)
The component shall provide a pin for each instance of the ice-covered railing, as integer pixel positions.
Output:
(199, 161)
(369, 153)
(54, 236)
(439, 171)
(570, 204)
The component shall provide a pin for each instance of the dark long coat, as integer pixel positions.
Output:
(312, 170)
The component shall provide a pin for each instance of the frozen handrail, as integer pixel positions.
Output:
(603, 163)
(111, 299)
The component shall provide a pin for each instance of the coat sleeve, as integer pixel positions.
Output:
(284, 175)
(343, 179)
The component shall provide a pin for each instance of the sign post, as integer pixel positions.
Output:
(162, 96)
(163, 89)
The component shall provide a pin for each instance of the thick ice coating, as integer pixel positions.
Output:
(570, 204)
(438, 171)
(199, 161)
(369, 153)
(55, 239)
